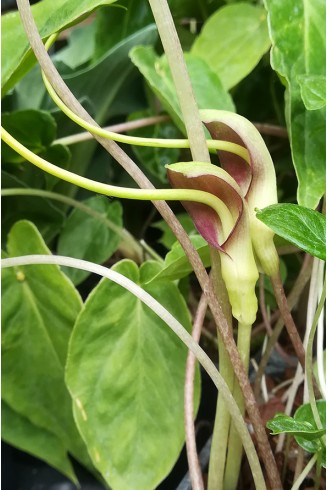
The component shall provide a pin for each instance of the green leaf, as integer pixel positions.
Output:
(176, 264)
(72, 55)
(86, 237)
(34, 129)
(232, 42)
(45, 215)
(304, 414)
(125, 372)
(39, 308)
(313, 91)
(113, 26)
(206, 84)
(301, 226)
(155, 159)
(282, 423)
(18, 431)
(50, 16)
(297, 31)
(168, 238)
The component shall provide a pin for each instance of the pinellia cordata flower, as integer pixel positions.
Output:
(256, 178)
(229, 233)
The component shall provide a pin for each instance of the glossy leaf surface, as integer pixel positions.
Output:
(301, 226)
(126, 373)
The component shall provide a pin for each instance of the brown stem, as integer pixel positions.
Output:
(293, 297)
(265, 315)
(192, 456)
(133, 170)
(287, 318)
(272, 130)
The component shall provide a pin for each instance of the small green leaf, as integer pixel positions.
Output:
(301, 226)
(176, 264)
(208, 88)
(86, 237)
(282, 423)
(125, 372)
(39, 308)
(50, 16)
(20, 432)
(304, 414)
(232, 42)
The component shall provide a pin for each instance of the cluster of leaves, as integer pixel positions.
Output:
(121, 367)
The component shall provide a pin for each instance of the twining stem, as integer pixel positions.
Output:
(177, 64)
(287, 317)
(128, 245)
(222, 414)
(134, 171)
(177, 328)
(191, 447)
(235, 446)
(123, 192)
(304, 473)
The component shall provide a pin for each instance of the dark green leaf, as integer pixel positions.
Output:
(297, 31)
(20, 432)
(126, 374)
(208, 88)
(232, 42)
(301, 226)
(86, 237)
(168, 238)
(34, 129)
(39, 308)
(282, 423)
(50, 16)
(154, 159)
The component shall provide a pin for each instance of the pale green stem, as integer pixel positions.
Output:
(177, 328)
(304, 473)
(133, 140)
(309, 360)
(128, 246)
(222, 415)
(235, 446)
(177, 64)
(122, 192)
